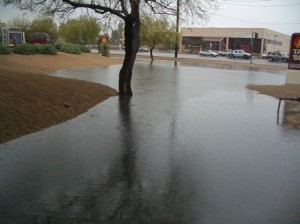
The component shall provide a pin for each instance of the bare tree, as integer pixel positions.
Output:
(127, 10)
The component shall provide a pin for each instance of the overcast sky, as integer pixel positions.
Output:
(278, 15)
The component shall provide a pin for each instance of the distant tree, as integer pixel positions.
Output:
(170, 40)
(121, 28)
(23, 23)
(19, 22)
(121, 32)
(2, 24)
(115, 37)
(82, 30)
(44, 25)
(70, 32)
(155, 32)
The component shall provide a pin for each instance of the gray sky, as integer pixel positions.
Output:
(278, 15)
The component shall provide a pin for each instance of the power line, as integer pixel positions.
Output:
(232, 1)
(257, 1)
(261, 5)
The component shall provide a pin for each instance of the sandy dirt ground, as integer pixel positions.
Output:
(291, 108)
(30, 100)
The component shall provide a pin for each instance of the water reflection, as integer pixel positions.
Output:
(192, 146)
(230, 67)
(123, 177)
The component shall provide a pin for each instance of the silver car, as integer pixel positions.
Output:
(225, 52)
(277, 56)
(239, 54)
(208, 53)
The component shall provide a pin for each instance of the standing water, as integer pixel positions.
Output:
(192, 145)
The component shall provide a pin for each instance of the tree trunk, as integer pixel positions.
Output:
(132, 43)
(151, 54)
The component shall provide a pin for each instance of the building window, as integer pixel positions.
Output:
(245, 44)
(274, 42)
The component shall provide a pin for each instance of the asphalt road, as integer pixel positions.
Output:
(255, 60)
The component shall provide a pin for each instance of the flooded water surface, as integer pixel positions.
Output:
(192, 145)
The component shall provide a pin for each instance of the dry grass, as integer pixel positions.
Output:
(277, 91)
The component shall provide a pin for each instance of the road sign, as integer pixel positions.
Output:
(294, 58)
(14, 38)
(103, 39)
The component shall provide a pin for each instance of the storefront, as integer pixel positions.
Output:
(219, 39)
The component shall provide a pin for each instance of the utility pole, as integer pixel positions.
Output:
(255, 37)
(251, 47)
(177, 31)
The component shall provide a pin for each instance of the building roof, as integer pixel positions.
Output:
(231, 32)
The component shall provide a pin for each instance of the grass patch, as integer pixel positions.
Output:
(105, 49)
(28, 49)
(4, 49)
(44, 49)
(84, 49)
(70, 48)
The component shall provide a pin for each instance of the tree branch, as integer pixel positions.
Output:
(97, 8)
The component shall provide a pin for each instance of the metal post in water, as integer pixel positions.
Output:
(278, 109)
(279, 103)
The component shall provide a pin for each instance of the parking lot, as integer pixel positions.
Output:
(255, 59)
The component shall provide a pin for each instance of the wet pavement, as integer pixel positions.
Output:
(255, 60)
(192, 145)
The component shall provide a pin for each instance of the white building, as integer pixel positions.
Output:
(234, 38)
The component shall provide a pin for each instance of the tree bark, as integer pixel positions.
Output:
(132, 43)
(151, 54)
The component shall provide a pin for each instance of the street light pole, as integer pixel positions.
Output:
(251, 47)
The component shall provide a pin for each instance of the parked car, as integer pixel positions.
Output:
(208, 53)
(264, 55)
(239, 54)
(225, 52)
(143, 49)
(277, 56)
(40, 38)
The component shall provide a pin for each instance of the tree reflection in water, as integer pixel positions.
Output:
(130, 192)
